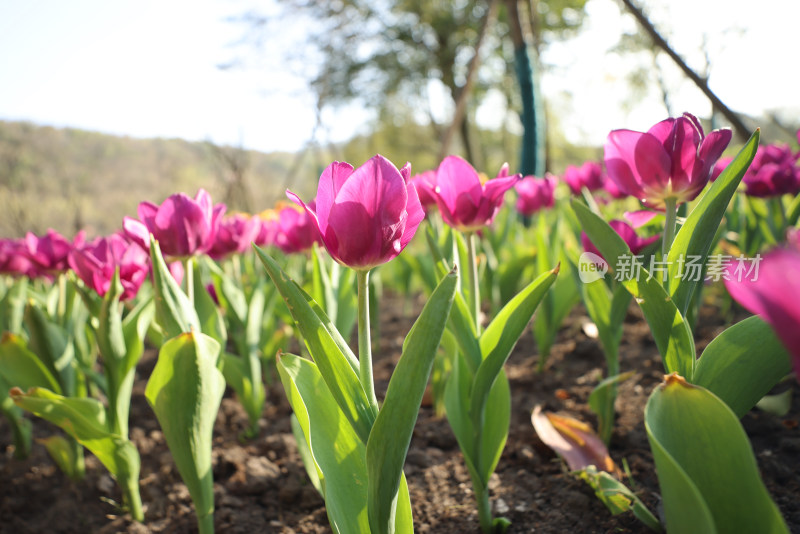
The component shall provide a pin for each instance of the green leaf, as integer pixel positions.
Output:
(706, 469)
(670, 330)
(696, 235)
(494, 433)
(249, 389)
(185, 390)
(22, 368)
(462, 325)
(335, 360)
(21, 427)
(391, 434)
(305, 455)
(208, 313)
(499, 339)
(617, 497)
(12, 306)
(49, 341)
(174, 312)
(342, 468)
(601, 402)
(85, 420)
(742, 364)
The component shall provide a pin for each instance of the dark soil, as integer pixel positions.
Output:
(261, 486)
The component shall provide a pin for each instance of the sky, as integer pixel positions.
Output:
(149, 69)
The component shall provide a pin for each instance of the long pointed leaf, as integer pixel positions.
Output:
(335, 360)
(670, 330)
(742, 364)
(696, 235)
(706, 469)
(391, 434)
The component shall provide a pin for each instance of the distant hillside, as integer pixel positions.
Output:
(69, 179)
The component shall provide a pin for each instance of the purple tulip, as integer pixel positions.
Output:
(589, 175)
(95, 263)
(773, 172)
(183, 226)
(365, 216)
(613, 189)
(296, 230)
(234, 235)
(673, 159)
(465, 203)
(268, 220)
(14, 259)
(772, 292)
(425, 183)
(48, 253)
(535, 194)
(627, 233)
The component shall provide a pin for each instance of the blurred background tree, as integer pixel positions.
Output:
(410, 62)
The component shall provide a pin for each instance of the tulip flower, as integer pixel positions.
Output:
(613, 189)
(464, 202)
(671, 162)
(535, 194)
(235, 234)
(95, 263)
(183, 226)
(426, 188)
(773, 172)
(719, 166)
(365, 216)
(627, 233)
(295, 230)
(589, 175)
(14, 260)
(48, 253)
(269, 228)
(772, 292)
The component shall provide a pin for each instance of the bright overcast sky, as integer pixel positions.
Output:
(149, 68)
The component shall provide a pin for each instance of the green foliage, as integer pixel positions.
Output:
(185, 391)
(706, 469)
(361, 477)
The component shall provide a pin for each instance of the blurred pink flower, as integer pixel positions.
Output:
(365, 216)
(535, 194)
(773, 172)
(48, 253)
(464, 202)
(14, 259)
(589, 175)
(425, 183)
(296, 230)
(627, 233)
(671, 160)
(235, 235)
(773, 292)
(183, 226)
(95, 263)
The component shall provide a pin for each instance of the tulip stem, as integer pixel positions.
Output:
(364, 340)
(671, 215)
(474, 286)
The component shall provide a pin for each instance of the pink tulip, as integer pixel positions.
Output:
(465, 203)
(14, 259)
(719, 166)
(535, 194)
(773, 292)
(773, 172)
(235, 235)
(48, 253)
(589, 175)
(268, 220)
(613, 189)
(182, 226)
(296, 230)
(366, 216)
(673, 159)
(425, 183)
(627, 233)
(95, 263)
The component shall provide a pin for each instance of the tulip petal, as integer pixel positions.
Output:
(458, 187)
(620, 161)
(331, 180)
